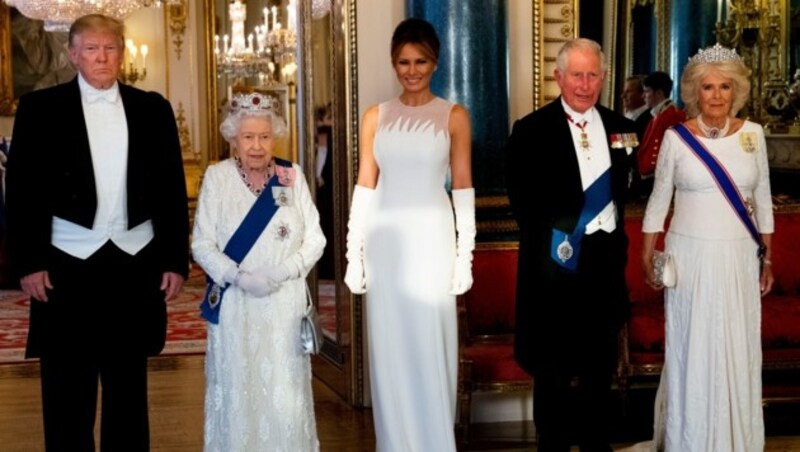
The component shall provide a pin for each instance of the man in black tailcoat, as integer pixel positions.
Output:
(98, 235)
(568, 197)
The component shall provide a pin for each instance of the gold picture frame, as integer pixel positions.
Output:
(8, 104)
(31, 58)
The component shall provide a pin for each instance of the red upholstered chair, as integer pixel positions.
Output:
(486, 330)
(642, 342)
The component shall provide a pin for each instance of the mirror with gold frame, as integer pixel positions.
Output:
(332, 132)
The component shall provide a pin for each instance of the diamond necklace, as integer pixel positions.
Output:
(713, 132)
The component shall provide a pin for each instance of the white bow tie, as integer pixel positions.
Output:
(108, 95)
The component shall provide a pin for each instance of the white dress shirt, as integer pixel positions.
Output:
(107, 128)
(593, 162)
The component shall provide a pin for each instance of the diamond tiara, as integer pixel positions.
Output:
(253, 102)
(715, 54)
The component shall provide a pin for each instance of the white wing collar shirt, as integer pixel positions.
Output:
(107, 128)
(592, 161)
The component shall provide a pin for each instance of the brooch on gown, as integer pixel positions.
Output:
(282, 196)
(748, 141)
(283, 231)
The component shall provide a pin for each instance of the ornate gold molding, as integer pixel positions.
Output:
(185, 136)
(177, 14)
(554, 23)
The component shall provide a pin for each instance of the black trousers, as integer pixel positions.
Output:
(572, 391)
(98, 326)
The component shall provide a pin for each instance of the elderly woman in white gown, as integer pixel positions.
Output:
(258, 380)
(711, 382)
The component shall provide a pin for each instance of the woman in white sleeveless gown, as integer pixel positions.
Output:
(711, 383)
(408, 251)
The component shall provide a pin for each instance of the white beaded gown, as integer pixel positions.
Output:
(258, 381)
(409, 254)
(711, 383)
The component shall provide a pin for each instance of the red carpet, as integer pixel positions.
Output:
(186, 330)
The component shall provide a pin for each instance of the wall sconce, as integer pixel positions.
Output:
(131, 72)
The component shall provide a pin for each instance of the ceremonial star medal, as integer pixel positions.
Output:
(564, 250)
(748, 142)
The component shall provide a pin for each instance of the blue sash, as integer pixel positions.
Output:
(724, 183)
(241, 242)
(565, 248)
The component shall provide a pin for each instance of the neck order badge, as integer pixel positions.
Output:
(585, 145)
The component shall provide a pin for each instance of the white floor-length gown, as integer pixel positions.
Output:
(258, 381)
(409, 255)
(712, 380)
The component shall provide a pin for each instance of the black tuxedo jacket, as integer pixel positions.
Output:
(545, 191)
(50, 174)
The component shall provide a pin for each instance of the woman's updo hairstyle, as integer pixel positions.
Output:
(418, 32)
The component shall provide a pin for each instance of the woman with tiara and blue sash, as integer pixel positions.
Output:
(256, 235)
(714, 167)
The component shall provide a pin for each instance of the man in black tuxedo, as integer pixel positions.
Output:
(98, 234)
(569, 201)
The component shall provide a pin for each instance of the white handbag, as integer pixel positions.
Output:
(664, 267)
(310, 328)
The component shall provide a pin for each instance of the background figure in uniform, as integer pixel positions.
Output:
(98, 233)
(657, 87)
(258, 381)
(568, 198)
(711, 380)
(634, 105)
(406, 250)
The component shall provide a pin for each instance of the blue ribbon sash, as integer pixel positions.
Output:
(566, 247)
(725, 184)
(242, 240)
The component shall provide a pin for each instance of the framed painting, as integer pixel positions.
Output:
(30, 58)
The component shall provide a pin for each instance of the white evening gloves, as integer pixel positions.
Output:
(464, 207)
(264, 280)
(354, 276)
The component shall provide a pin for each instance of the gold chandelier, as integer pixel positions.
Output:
(58, 15)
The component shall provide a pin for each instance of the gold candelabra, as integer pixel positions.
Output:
(753, 28)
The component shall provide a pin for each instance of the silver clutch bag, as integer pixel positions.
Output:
(310, 328)
(664, 267)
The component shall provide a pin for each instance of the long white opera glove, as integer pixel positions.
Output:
(464, 207)
(354, 277)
